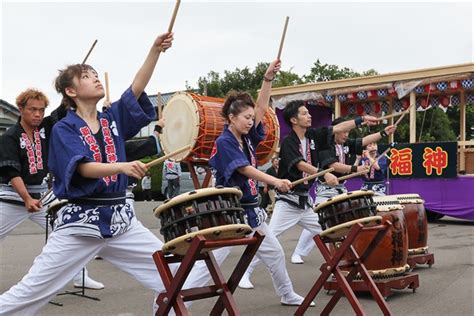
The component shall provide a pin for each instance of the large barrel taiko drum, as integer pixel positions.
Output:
(196, 120)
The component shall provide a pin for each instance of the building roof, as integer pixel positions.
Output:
(9, 107)
(453, 70)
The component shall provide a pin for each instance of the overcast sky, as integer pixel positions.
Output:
(39, 37)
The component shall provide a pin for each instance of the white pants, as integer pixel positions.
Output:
(271, 254)
(12, 215)
(64, 255)
(285, 216)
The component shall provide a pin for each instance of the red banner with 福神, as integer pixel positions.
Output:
(423, 160)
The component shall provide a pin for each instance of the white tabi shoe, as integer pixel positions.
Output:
(88, 283)
(293, 299)
(245, 282)
(296, 259)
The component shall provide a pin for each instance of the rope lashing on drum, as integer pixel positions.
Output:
(311, 177)
(170, 155)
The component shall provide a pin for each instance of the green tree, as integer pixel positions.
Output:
(326, 72)
(242, 80)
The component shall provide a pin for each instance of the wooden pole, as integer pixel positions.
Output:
(283, 37)
(337, 107)
(311, 177)
(90, 50)
(161, 159)
(412, 117)
(462, 131)
(391, 137)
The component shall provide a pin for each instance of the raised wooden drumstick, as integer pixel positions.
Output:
(90, 50)
(173, 18)
(283, 37)
(311, 177)
(389, 116)
(107, 90)
(161, 159)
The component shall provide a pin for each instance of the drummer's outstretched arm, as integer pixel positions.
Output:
(162, 42)
(350, 124)
(263, 98)
(283, 185)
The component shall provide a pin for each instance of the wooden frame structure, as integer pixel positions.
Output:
(338, 94)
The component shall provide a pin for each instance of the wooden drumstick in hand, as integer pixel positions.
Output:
(403, 115)
(170, 155)
(173, 18)
(283, 37)
(88, 53)
(311, 177)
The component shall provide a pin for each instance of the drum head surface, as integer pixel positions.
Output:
(181, 244)
(342, 197)
(193, 195)
(182, 124)
(343, 229)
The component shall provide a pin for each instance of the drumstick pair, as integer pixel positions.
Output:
(403, 113)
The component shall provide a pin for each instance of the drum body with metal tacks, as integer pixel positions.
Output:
(339, 213)
(415, 214)
(389, 258)
(214, 213)
(196, 120)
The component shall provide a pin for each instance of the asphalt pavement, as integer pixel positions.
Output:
(445, 289)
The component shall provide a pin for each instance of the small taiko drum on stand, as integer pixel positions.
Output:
(387, 262)
(196, 120)
(415, 214)
(338, 214)
(214, 213)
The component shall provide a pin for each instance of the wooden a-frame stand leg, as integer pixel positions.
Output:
(175, 296)
(331, 266)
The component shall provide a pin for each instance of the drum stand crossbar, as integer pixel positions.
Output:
(331, 266)
(82, 290)
(175, 296)
(416, 259)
